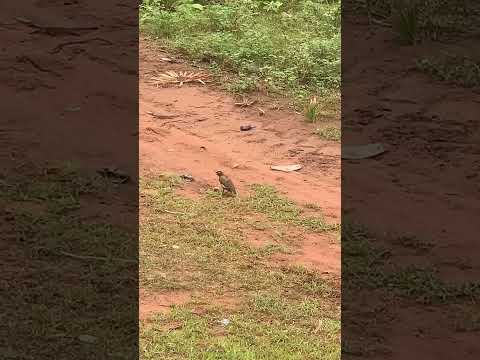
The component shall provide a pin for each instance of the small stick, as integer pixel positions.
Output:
(80, 257)
(161, 116)
(170, 122)
(60, 47)
(172, 212)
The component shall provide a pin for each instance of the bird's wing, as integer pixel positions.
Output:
(227, 183)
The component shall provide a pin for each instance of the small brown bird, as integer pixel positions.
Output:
(227, 184)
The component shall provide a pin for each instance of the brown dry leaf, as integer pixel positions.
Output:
(286, 168)
(180, 78)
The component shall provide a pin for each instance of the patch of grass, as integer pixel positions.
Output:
(290, 47)
(312, 206)
(45, 220)
(367, 266)
(330, 133)
(459, 70)
(467, 318)
(312, 110)
(415, 20)
(209, 230)
(266, 200)
(247, 336)
(200, 246)
(412, 242)
(405, 19)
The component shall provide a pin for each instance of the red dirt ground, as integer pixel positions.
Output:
(151, 304)
(203, 135)
(430, 131)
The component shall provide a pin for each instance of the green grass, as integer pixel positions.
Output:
(463, 71)
(250, 335)
(312, 110)
(330, 133)
(265, 199)
(200, 246)
(290, 47)
(406, 17)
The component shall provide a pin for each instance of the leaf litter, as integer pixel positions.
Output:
(180, 78)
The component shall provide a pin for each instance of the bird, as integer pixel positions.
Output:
(227, 184)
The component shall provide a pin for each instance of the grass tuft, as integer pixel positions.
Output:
(330, 133)
(459, 70)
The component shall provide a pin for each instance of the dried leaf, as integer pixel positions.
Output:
(182, 77)
(286, 168)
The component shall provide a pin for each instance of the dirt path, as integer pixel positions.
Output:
(204, 135)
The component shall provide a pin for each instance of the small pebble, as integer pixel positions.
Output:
(225, 322)
(246, 127)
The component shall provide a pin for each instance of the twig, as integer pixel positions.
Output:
(172, 212)
(59, 47)
(55, 30)
(173, 121)
(246, 103)
(380, 22)
(161, 116)
(81, 257)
